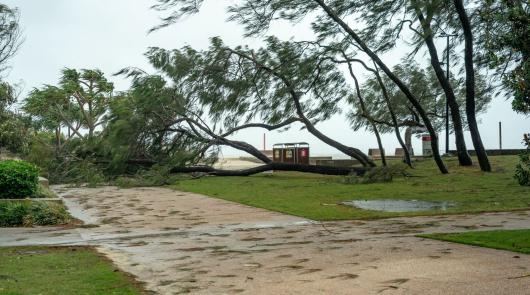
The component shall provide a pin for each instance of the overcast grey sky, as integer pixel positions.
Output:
(111, 35)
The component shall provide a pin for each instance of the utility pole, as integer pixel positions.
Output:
(448, 73)
(500, 135)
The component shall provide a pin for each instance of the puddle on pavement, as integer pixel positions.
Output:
(400, 205)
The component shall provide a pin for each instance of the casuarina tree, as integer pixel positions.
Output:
(329, 21)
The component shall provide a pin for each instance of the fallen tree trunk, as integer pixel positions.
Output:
(317, 169)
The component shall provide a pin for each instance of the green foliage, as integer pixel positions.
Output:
(422, 82)
(7, 96)
(44, 192)
(522, 170)
(14, 127)
(378, 174)
(69, 118)
(231, 85)
(41, 152)
(14, 133)
(29, 213)
(156, 176)
(145, 125)
(12, 213)
(78, 103)
(47, 213)
(18, 179)
(10, 36)
(83, 173)
(503, 29)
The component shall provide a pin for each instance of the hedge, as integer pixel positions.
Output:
(18, 179)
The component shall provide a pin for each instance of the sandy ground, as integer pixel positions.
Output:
(186, 243)
(235, 164)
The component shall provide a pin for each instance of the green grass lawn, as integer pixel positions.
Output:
(511, 240)
(315, 196)
(66, 270)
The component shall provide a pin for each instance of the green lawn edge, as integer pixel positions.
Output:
(62, 270)
(509, 240)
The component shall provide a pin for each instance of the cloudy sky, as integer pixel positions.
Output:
(111, 35)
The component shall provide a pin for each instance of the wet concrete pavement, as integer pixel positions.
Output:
(186, 243)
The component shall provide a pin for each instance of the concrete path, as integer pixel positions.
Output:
(186, 243)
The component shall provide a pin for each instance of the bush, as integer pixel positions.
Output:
(12, 213)
(28, 213)
(522, 170)
(44, 192)
(18, 179)
(378, 174)
(43, 213)
(156, 176)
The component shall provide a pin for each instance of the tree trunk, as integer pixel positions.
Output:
(408, 138)
(394, 119)
(317, 169)
(248, 148)
(367, 116)
(470, 88)
(350, 151)
(464, 158)
(380, 144)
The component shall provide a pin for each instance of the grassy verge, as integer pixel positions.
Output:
(44, 270)
(317, 196)
(511, 240)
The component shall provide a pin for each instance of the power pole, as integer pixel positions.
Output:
(500, 135)
(448, 73)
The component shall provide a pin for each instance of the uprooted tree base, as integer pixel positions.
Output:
(317, 169)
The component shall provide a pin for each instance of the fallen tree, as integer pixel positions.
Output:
(317, 169)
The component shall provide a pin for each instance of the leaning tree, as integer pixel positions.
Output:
(284, 82)
(389, 21)
(198, 99)
(329, 22)
(400, 113)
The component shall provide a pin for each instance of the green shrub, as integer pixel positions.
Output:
(156, 176)
(522, 170)
(12, 213)
(44, 192)
(43, 213)
(28, 213)
(18, 179)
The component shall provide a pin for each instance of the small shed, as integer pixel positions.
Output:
(294, 153)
